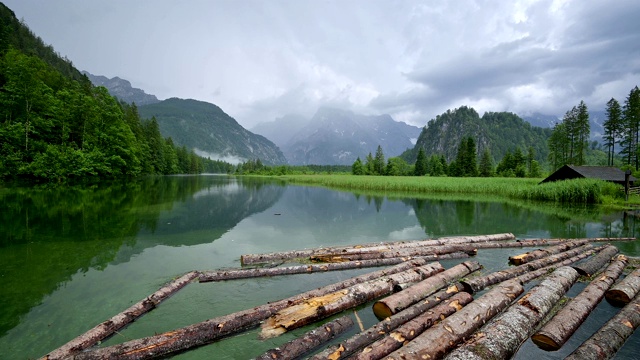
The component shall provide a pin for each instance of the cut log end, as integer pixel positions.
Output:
(381, 310)
(517, 259)
(544, 342)
(617, 297)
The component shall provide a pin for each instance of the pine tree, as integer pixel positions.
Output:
(486, 164)
(421, 164)
(357, 168)
(379, 163)
(632, 126)
(612, 128)
(558, 146)
(582, 132)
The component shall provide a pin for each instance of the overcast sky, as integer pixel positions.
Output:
(259, 60)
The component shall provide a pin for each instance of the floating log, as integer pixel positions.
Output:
(609, 339)
(278, 256)
(625, 290)
(501, 337)
(309, 341)
(117, 322)
(413, 328)
(405, 298)
(594, 264)
(213, 329)
(377, 331)
(320, 307)
(436, 341)
(392, 253)
(540, 253)
(531, 275)
(479, 283)
(559, 329)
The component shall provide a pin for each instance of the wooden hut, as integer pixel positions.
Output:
(606, 173)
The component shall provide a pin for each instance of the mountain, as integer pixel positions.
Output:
(122, 89)
(210, 132)
(497, 131)
(282, 129)
(338, 137)
(596, 121)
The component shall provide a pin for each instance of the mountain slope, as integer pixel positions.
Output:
(122, 90)
(209, 131)
(282, 129)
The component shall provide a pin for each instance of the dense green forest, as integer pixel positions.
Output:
(56, 127)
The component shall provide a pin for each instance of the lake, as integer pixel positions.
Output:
(71, 258)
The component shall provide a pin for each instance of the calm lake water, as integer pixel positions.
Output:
(72, 258)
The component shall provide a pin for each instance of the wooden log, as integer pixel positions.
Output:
(309, 341)
(109, 327)
(413, 328)
(214, 329)
(320, 307)
(625, 290)
(540, 253)
(502, 336)
(405, 298)
(594, 264)
(531, 275)
(559, 329)
(609, 339)
(392, 253)
(436, 341)
(377, 331)
(476, 284)
(284, 255)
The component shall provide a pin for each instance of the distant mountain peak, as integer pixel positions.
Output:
(122, 89)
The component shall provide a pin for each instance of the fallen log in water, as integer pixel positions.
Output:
(435, 342)
(117, 322)
(309, 341)
(609, 339)
(541, 253)
(559, 329)
(377, 331)
(594, 264)
(501, 337)
(531, 275)
(413, 328)
(278, 256)
(320, 307)
(411, 295)
(625, 290)
(438, 250)
(211, 330)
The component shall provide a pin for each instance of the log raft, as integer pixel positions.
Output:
(624, 291)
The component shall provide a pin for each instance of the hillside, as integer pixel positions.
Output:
(122, 90)
(282, 129)
(497, 131)
(210, 132)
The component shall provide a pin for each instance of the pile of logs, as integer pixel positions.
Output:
(425, 310)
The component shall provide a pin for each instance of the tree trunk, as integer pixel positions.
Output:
(531, 275)
(405, 298)
(540, 253)
(624, 291)
(376, 332)
(501, 337)
(278, 256)
(320, 307)
(476, 284)
(117, 322)
(214, 329)
(609, 339)
(392, 253)
(413, 328)
(309, 341)
(435, 342)
(594, 264)
(559, 329)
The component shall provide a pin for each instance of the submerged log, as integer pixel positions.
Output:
(559, 329)
(435, 342)
(377, 331)
(413, 328)
(309, 341)
(214, 329)
(625, 290)
(609, 339)
(593, 265)
(540, 253)
(117, 322)
(405, 298)
(320, 307)
(501, 337)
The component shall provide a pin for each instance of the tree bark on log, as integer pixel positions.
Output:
(624, 291)
(392, 253)
(119, 321)
(321, 307)
(476, 284)
(435, 342)
(606, 342)
(413, 328)
(541, 253)
(594, 264)
(501, 337)
(284, 255)
(405, 298)
(531, 275)
(559, 329)
(214, 329)
(377, 331)
(309, 341)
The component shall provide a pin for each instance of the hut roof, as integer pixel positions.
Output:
(591, 172)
